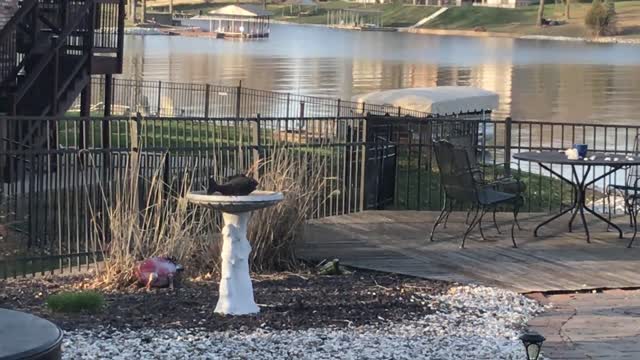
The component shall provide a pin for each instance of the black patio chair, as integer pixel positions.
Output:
(461, 187)
(630, 192)
(499, 178)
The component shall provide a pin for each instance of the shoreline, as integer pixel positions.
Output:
(471, 33)
(434, 32)
(485, 34)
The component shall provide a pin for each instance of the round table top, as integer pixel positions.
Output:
(24, 335)
(592, 158)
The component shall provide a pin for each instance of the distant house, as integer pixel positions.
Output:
(246, 21)
(441, 2)
(510, 4)
(372, 1)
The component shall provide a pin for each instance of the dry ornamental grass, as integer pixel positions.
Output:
(144, 220)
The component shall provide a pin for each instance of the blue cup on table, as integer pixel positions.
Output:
(582, 149)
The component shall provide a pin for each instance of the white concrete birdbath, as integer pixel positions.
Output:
(236, 291)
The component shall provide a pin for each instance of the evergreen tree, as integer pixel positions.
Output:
(612, 18)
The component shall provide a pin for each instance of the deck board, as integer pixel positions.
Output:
(558, 260)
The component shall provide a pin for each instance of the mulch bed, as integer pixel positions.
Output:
(287, 301)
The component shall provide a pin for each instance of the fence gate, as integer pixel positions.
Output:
(380, 175)
(381, 163)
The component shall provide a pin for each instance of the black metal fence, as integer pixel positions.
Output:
(170, 99)
(55, 170)
(55, 182)
(417, 186)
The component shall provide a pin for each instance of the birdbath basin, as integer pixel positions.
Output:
(236, 291)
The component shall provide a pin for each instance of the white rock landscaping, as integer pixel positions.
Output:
(469, 322)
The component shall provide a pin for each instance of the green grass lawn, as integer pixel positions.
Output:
(490, 18)
(420, 190)
(157, 133)
(523, 20)
(417, 184)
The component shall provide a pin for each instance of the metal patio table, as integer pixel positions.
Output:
(579, 182)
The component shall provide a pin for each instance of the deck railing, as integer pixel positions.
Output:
(417, 186)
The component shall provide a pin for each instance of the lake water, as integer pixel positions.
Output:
(536, 80)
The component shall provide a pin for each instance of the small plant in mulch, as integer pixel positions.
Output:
(76, 302)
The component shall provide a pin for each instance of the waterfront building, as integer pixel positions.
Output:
(242, 21)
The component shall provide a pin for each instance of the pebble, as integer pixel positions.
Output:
(469, 322)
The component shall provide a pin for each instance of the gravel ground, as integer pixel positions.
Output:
(362, 315)
(467, 323)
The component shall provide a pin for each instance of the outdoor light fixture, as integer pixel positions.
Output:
(532, 344)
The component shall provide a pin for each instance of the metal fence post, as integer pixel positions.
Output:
(257, 144)
(135, 141)
(338, 110)
(106, 131)
(106, 157)
(301, 109)
(159, 98)
(363, 164)
(166, 176)
(288, 99)
(507, 145)
(238, 99)
(399, 111)
(206, 101)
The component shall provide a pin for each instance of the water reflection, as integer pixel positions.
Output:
(536, 80)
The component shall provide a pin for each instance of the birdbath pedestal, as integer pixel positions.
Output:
(236, 291)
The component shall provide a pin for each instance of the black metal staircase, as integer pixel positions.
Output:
(49, 51)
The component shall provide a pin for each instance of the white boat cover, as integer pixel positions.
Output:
(441, 100)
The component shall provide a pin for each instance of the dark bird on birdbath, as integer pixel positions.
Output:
(237, 185)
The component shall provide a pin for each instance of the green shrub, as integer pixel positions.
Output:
(74, 302)
(601, 18)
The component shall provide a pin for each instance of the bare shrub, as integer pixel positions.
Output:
(274, 231)
(141, 220)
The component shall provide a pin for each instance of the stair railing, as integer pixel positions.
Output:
(62, 38)
(11, 60)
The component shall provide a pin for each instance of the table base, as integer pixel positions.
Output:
(579, 206)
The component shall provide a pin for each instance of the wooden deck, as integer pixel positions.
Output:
(396, 241)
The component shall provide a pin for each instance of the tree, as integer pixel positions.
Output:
(612, 18)
(540, 13)
(601, 18)
(567, 9)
